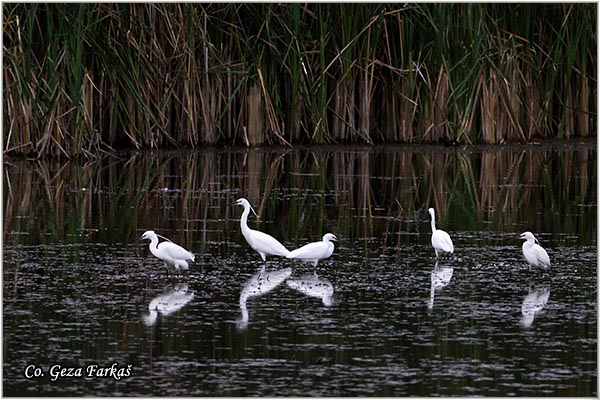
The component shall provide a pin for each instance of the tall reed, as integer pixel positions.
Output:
(83, 79)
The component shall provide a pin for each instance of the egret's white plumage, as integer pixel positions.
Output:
(534, 253)
(313, 252)
(262, 243)
(440, 240)
(170, 253)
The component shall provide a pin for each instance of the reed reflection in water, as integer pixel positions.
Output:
(78, 288)
(356, 192)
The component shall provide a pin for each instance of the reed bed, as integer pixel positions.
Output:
(85, 79)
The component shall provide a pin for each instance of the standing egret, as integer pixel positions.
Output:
(170, 253)
(313, 252)
(260, 242)
(440, 240)
(533, 252)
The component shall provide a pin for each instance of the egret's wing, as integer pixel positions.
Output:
(311, 251)
(542, 255)
(267, 244)
(175, 251)
(441, 240)
(529, 254)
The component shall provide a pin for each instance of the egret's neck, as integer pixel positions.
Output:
(432, 223)
(244, 220)
(153, 246)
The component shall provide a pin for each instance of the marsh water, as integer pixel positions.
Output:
(380, 317)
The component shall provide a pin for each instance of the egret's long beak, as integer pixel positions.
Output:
(522, 236)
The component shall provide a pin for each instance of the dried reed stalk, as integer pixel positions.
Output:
(83, 79)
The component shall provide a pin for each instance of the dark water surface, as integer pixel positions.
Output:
(379, 318)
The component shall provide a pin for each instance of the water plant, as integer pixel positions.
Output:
(84, 79)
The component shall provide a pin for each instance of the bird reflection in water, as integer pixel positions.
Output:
(534, 303)
(440, 277)
(171, 301)
(257, 285)
(313, 286)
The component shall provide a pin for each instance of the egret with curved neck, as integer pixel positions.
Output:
(260, 242)
(535, 254)
(316, 251)
(440, 240)
(170, 253)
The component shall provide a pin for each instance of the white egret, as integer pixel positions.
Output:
(260, 242)
(534, 253)
(313, 252)
(440, 240)
(170, 253)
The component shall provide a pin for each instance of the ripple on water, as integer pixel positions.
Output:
(379, 337)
